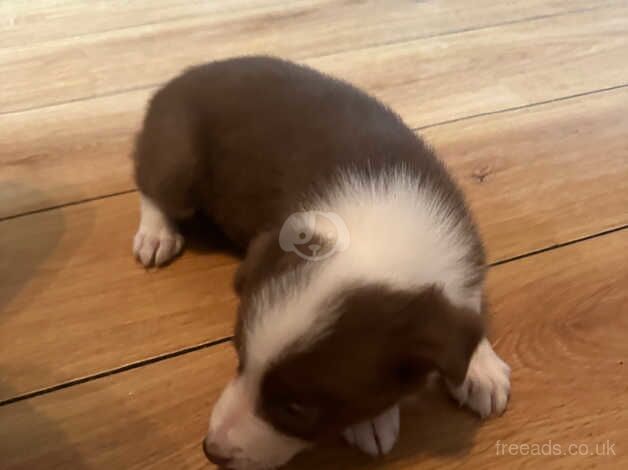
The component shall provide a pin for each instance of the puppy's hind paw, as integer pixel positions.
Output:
(377, 436)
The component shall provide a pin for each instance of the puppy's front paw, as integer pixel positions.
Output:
(377, 436)
(487, 386)
(156, 245)
(156, 241)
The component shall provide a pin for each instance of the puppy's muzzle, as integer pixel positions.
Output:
(212, 454)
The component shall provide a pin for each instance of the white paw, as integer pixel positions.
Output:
(377, 436)
(156, 247)
(486, 388)
(156, 241)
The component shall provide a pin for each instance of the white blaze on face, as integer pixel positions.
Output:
(237, 433)
(401, 234)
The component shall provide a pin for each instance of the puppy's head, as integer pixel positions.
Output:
(319, 352)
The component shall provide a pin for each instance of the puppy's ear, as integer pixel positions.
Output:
(442, 336)
(264, 257)
(408, 333)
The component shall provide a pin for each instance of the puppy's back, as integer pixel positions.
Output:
(250, 139)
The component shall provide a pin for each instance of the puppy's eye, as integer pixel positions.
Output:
(295, 409)
(296, 412)
(294, 417)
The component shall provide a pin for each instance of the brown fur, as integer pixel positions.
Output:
(249, 141)
(381, 348)
(265, 258)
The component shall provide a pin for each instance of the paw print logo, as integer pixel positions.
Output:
(314, 235)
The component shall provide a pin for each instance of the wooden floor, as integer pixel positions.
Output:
(104, 365)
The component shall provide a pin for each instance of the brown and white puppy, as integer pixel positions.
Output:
(364, 271)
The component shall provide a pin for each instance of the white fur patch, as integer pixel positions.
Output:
(239, 434)
(156, 241)
(401, 235)
(487, 386)
(377, 436)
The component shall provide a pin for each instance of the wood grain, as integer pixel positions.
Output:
(68, 153)
(534, 177)
(148, 418)
(559, 319)
(544, 175)
(79, 150)
(27, 23)
(73, 301)
(460, 75)
(111, 62)
(75, 77)
(32, 22)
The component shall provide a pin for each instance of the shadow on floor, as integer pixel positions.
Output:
(30, 440)
(203, 236)
(19, 256)
(431, 425)
(25, 243)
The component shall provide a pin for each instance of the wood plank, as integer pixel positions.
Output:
(460, 75)
(68, 153)
(73, 301)
(30, 22)
(80, 150)
(59, 438)
(77, 68)
(559, 319)
(68, 273)
(545, 175)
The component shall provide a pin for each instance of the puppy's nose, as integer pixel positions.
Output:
(213, 455)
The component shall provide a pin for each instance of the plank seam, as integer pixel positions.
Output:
(68, 204)
(523, 106)
(115, 370)
(416, 129)
(209, 344)
(556, 246)
(452, 32)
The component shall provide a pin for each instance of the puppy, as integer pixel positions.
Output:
(364, 271)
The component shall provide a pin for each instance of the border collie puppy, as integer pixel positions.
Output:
(364, 271)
